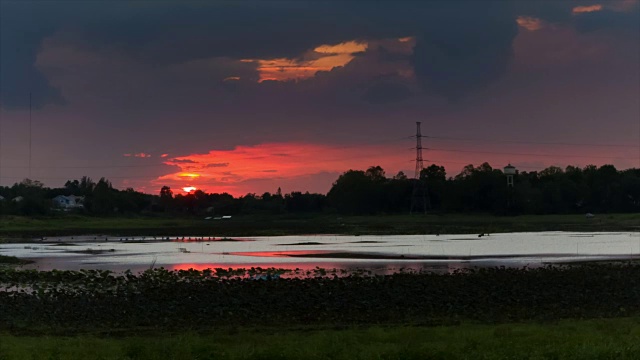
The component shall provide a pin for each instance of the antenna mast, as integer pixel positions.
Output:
(29, 135)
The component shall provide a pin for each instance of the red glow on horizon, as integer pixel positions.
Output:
(314, 167)
(276, 163)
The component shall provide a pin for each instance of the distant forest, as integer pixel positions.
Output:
(479, 189)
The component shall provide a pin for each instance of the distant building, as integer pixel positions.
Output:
(17, 199)
(69, 202)
(1, 198)
(510, 171)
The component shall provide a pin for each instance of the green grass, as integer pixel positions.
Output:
(271, 225)
(12, 260)
(579, 339)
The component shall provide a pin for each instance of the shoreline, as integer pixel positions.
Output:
(414, 251)
(19, 229)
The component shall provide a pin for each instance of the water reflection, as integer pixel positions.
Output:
(336, 268)
(379, 254)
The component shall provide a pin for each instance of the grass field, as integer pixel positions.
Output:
(262, 225)
(12, 260)
(29, 337)
(576, 339)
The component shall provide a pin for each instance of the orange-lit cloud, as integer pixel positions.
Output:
(138, 155)
(349, 47)
(228, 170)
(553, 46)
(303, 166)
(322, 58)
(624, 5)
(614, 5)
(529, 23)
(586, 9)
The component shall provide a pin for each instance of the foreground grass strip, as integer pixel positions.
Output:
(578, 339)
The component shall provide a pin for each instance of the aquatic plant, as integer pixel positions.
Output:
(257, 296)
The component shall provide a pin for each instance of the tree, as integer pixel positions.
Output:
(435, 177)
(72, 187)
(400, 176)
(166, 193)
(33, 195)
(433, 173)
(102, 200)
(351, 193)
(375, 173)
(86, 185)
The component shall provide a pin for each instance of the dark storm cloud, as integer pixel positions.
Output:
(387, 91)
(612, 14)
(557, 11)
(468, 56)
(627, 21)
(21, 33)
(461, 45)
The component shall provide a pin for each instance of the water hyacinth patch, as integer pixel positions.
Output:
(219, 298)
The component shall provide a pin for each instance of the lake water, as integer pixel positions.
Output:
(381, 254)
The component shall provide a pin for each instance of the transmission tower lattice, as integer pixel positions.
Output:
(420, 195)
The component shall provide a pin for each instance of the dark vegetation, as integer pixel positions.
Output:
(12, 260)
(479, 189)
(483, 189)
(160, 299)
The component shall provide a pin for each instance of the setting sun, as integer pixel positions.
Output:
(189, 189)
(189, 175)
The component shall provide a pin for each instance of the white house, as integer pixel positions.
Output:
(68, 202)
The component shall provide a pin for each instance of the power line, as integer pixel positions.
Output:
(436, 162)
(89, 166)
(532, 154)
(418, 137)
(234, 168)
(529, 142)
(178, 164)
(71, 177)
(30, 132)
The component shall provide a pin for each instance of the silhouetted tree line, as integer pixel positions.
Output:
(484, 189)
(102, 199)
(31, 197)
(475, 189)
(199, 202)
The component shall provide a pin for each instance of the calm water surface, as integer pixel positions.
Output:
(381, 254)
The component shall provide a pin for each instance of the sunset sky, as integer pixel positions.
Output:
(249, 96)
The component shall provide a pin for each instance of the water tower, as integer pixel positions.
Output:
(510, 170)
